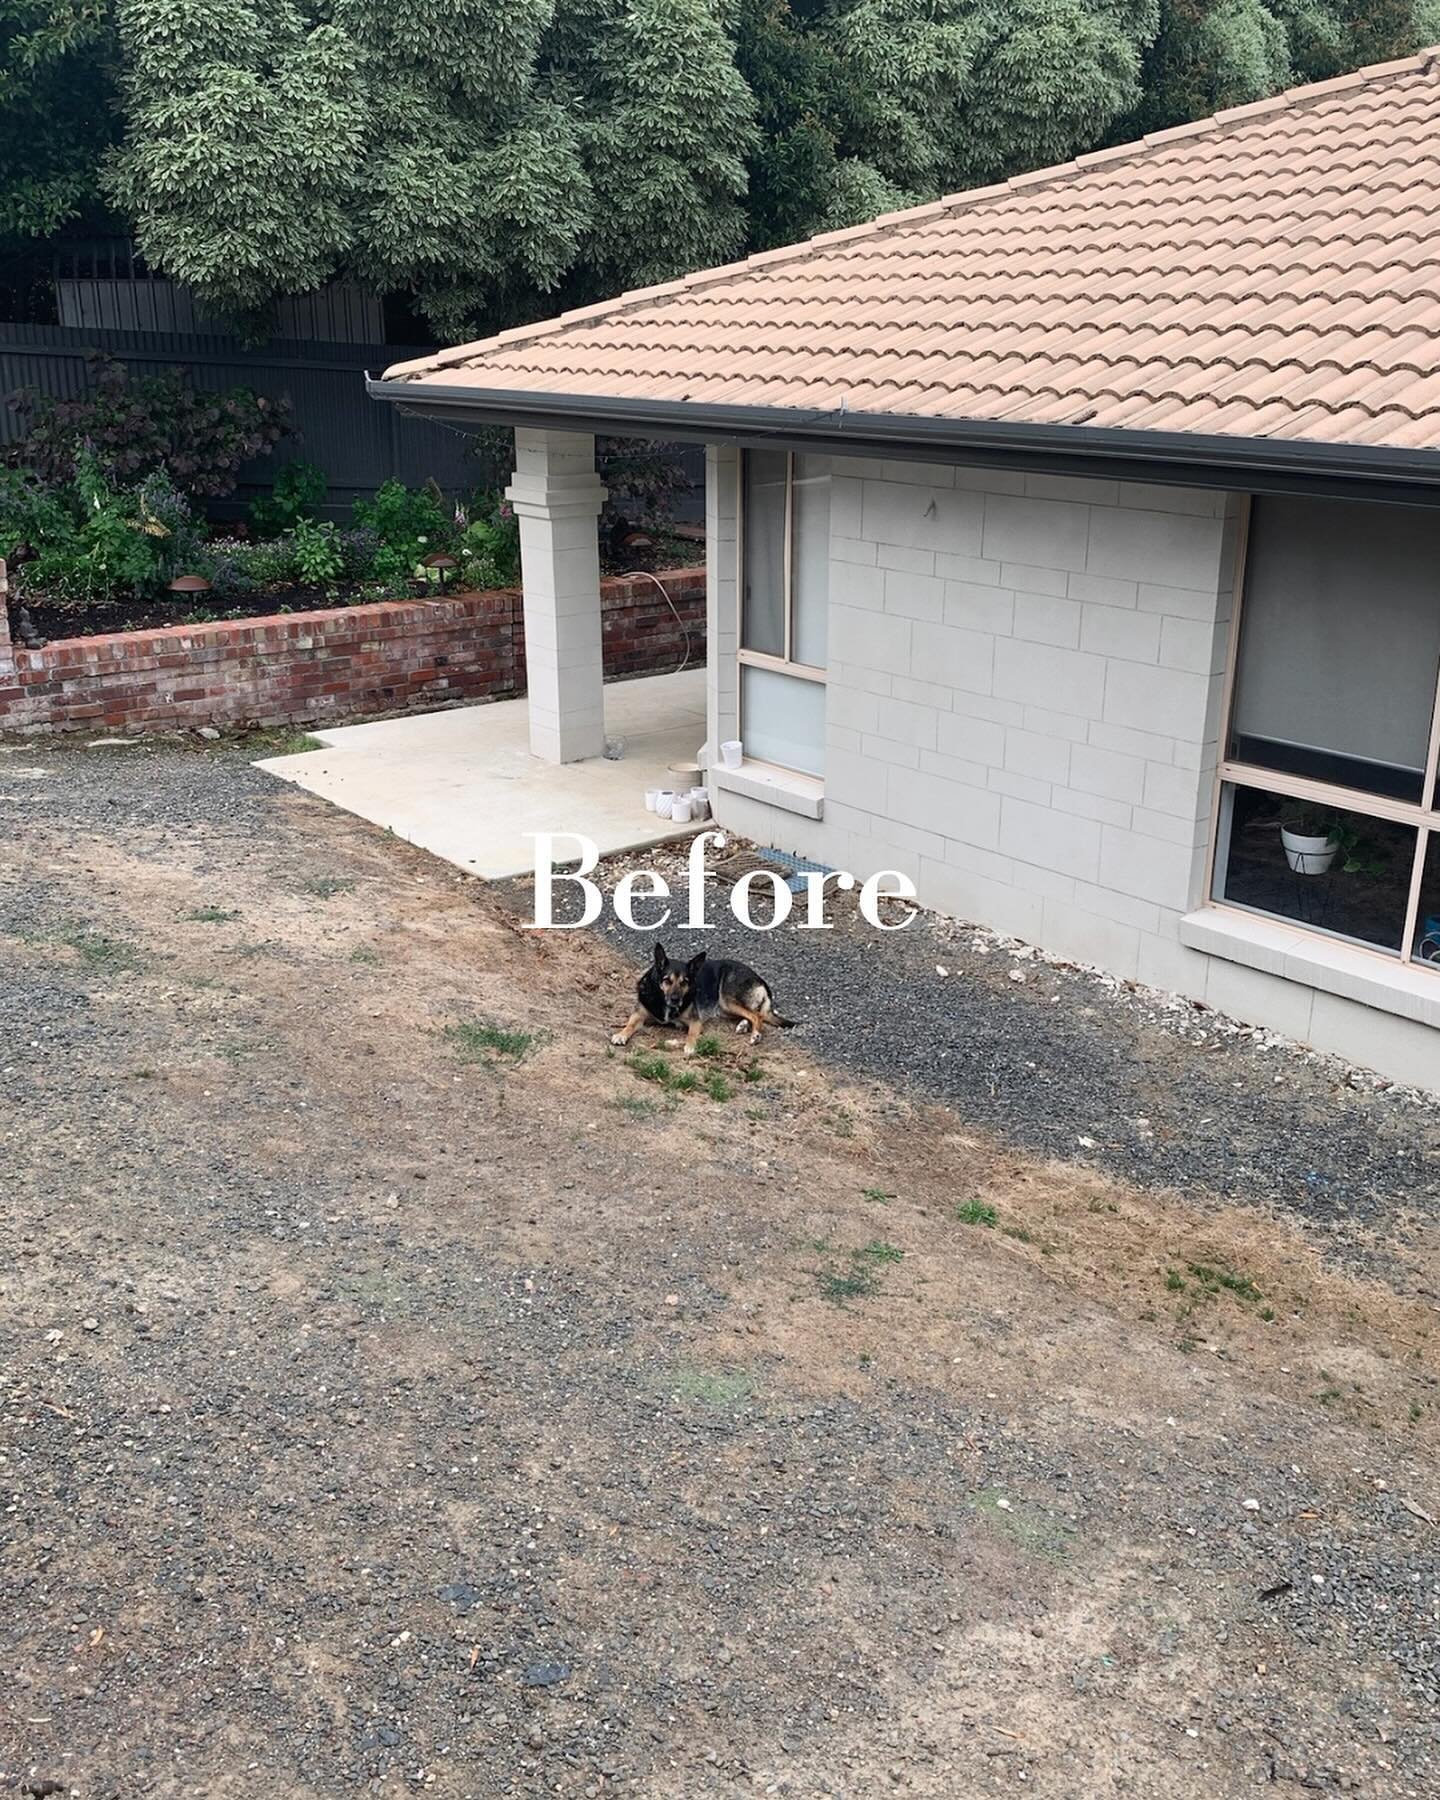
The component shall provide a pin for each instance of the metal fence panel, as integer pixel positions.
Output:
(357, 442)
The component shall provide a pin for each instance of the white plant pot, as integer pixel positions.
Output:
(1308, 855)
(731, 753)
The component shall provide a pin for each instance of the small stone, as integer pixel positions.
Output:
(209, 732)
(1251, 1505)
(91, 1324)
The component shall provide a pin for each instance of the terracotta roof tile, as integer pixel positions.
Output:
(1273, 271)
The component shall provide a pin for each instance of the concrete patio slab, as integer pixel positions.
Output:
(463, 784)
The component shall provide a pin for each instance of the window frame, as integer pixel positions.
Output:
(1423, 815)
(760, 659)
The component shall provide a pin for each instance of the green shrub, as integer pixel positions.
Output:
(411, 524)
(33, 515)
(297, 493)
(133, 425)
(93, 540)
(319, 559)
(489, 550)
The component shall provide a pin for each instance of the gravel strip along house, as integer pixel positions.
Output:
(1073, 549)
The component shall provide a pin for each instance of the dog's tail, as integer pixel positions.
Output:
(772, 1017)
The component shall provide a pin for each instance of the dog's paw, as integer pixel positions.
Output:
(742, 1028)
(689, 1050)
(672, 1043)
(619, 1039)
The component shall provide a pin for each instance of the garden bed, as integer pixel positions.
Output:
(65, 619)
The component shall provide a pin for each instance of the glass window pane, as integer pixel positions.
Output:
(763, 528)
(1426, 947)
(1340, 643)
(782, 719)
(1338, 872)
(810, 561)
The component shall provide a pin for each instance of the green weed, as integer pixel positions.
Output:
(211, 915)
(878, 1195)
(976, 1212)
(106, 955)
(480, 1040)
(325, 887)
(1213, 1278)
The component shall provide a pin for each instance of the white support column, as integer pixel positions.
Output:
(722, 595)
(557, 497)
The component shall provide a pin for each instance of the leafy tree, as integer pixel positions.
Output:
(57, 112)
(244, 132)
(871, 104)
(1210, 54)
(477, 153)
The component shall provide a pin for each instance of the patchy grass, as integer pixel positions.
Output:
(326, 887)
(1025, 1526)
(1212, 1279)
(707, 1045)
(281, 742)
(364, 954)
(878, 1195)
(105, 955)
(481, 1040)
(637, 1106)
(975, 1212)
(858, 1278)
(210, 915)
(711, 1387)
(649, 1065)
(840, 1285)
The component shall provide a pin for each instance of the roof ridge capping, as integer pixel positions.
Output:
(1420, 62)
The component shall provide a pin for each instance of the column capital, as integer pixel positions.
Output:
(547, 496)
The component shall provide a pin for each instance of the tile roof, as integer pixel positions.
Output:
(1272, 272)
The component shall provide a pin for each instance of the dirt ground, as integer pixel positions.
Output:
(404, 1391)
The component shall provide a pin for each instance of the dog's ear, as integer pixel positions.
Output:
(660, 958)
(695, 964)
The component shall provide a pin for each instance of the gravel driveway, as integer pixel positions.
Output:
(404, 1393)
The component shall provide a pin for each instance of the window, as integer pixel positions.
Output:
(1329, 811)
(785, 601)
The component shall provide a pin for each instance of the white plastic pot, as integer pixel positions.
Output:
(1308, 855)
(680, 810)
(730, 753)
(651, 796)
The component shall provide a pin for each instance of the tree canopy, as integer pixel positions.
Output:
(497, 159)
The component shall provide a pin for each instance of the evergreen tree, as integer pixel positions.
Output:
(58, 113)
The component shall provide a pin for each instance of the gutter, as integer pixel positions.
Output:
(1169, 458)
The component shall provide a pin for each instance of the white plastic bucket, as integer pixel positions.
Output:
(680, 809)
(651, 796)
(730, 753)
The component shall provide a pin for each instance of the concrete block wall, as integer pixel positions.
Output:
(1023, 715)
(1024, 693)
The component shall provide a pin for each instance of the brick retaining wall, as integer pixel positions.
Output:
(322, 667)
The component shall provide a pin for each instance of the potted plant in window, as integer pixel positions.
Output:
(1311, 841)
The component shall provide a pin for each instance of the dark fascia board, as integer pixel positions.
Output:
(1169, 458)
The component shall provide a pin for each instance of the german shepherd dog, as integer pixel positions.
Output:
(695, 992)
